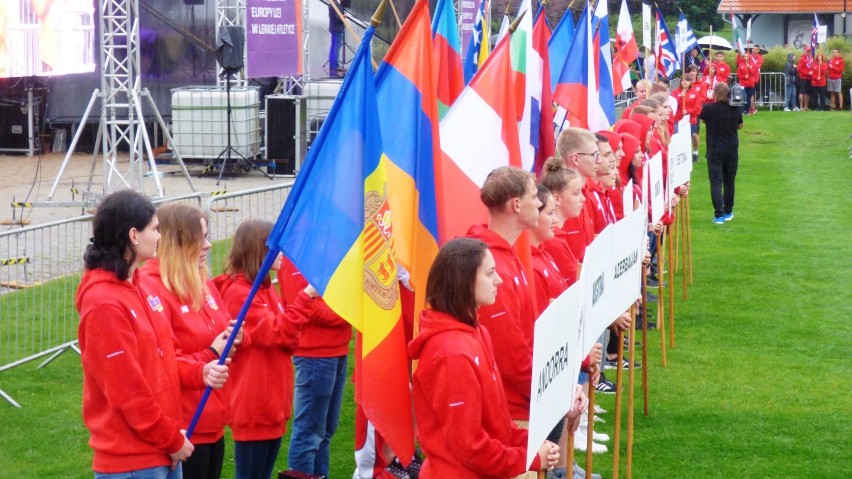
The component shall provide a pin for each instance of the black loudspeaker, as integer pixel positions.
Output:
(193, 2)
(229, 47)
(281, 134)
(14, 133)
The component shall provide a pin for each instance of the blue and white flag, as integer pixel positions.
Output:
(685, 37)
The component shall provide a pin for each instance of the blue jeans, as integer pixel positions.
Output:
(160, 472)
(255, 459)
(791, 95)
(318, 398)
(334, 53)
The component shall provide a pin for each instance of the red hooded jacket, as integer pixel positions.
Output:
(463, 419)
(262, 379)
(511, 320)
(326, 335)
(131, 379)
(192, 334)
(559, 248)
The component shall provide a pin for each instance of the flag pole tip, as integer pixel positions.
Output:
(514, 25)
(379, 14)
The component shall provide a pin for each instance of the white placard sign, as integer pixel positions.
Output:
(596, 311)
(627, 198)
(625, 261)
(657, 188)
(646, 26)
(556, 365)
(822, 34)
(680, 155)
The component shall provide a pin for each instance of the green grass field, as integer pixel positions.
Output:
(756, 385)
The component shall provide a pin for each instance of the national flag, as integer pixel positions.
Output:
(626, 51)
(527, 65)
(667, 58)
(603, 63)
(546, 146)
(685, 36)
(408, 115)
(575, 90)
(815, 34)
(336, 228)
(477, 51)
(478, 134)
(735, 33)
(447, 55)
(748, 29)
(558, 46)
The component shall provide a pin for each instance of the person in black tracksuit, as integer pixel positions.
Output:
(722, 122)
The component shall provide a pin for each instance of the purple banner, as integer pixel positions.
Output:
(273, 38)
(468, 19)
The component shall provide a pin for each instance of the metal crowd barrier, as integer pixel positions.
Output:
(770, 90)
(225, 212)
(40, 269)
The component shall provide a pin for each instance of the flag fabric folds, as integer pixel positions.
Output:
(626, 51)
(337, 229)
(558, 46)
(447, 55)
(814, 34)
(478, 134)
(546, 146)
(685, 36)
(667, 58)
(735, 34)
(408, 115)
(603, 63)
(576, 89)
(478, 50)
(527, 65)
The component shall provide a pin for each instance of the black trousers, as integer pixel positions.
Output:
(722, 170)
(205, 461)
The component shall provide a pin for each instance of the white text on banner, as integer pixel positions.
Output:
(625, 261)
(556, 364)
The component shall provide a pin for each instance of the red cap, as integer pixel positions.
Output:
(630, 144)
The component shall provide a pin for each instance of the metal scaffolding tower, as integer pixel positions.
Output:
(122, 121)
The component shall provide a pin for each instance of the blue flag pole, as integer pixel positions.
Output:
(258, 281)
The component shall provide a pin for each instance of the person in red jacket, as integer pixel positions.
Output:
(463, 417)
(835, 73)
(642, 89)
(747, 76)
(262, 382)
(199, 324)
(710, 80)
(567, 188)
(723, 70)
(509, 193)
(819, 80)
(131, 377)
(320, 362)
(579, 150)
(804, 69)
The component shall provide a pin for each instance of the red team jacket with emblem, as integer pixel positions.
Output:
(131, 378)
(463, 419)
(262, 379)
(192, 333)
(510, 320)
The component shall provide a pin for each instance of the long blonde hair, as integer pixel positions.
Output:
(181, 238)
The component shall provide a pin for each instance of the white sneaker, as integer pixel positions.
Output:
(599, 419)
(599, 410)
(796, 109)
(786, 109)
(596, 436)
(580, 440)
